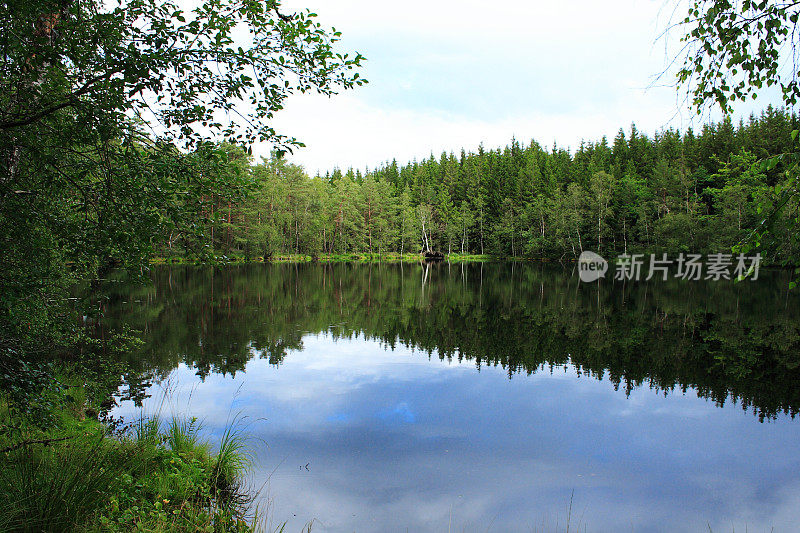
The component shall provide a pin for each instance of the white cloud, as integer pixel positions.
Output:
(329, 373)
(346, 131)
(451, 74)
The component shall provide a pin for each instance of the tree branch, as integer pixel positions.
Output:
(70, 101)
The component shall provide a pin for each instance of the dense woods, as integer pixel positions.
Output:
(87, 184)
(125, 136)
(675, 192)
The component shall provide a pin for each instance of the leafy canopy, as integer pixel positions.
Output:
(108, 111)
(224, 67)
(734, 48)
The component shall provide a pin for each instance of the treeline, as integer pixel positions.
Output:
(691, 192)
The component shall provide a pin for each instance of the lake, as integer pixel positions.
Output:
(482, 396)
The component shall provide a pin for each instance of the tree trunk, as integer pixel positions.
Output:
(481, 231)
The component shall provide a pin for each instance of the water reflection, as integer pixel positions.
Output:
(727, 341)
(368, 414)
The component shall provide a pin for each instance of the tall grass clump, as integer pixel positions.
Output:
(231, 460)
(152, 476)
(147, 430)
(54, 485)
(183, 436)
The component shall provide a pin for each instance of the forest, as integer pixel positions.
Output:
(672, 192)
(126, 138)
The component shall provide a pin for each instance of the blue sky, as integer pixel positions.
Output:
(445, 75)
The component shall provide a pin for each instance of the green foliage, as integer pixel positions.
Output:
(109, 122)
(53, 488)
(34, 388)
(231, 459)
(182, 435)
(77, 477)
(777, 209)
(151, 58)
(733, 49)
(674, 192)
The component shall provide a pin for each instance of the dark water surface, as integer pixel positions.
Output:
(484, 397)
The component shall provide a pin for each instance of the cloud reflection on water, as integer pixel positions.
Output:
(396, 440)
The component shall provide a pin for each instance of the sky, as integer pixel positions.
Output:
(448, 74)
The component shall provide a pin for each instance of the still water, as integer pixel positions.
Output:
(483, 397)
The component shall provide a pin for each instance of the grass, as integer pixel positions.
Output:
(365, 257)
(76, 475)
